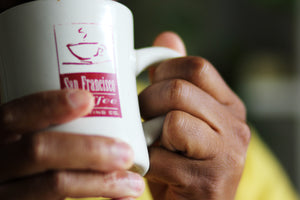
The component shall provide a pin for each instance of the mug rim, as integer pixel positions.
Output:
(30, 2)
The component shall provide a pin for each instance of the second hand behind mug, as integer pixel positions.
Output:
(84, 44)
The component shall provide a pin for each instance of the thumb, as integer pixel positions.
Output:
(170, 40)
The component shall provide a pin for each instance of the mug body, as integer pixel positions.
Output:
(84, 44)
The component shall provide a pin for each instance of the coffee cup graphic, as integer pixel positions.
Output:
(86, 53)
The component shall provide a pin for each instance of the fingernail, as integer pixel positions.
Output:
(79, 98)
(123, 154)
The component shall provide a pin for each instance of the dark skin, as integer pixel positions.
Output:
(204, 139)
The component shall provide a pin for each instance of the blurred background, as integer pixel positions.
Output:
(254, 45)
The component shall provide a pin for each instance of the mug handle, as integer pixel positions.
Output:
(144, 58)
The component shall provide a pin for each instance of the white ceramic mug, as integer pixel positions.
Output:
(86, 44)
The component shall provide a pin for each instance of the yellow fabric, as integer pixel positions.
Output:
(263, 178)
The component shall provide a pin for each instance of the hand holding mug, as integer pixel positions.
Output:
(40, 164)
(202, 150)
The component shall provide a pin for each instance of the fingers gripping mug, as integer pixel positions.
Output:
(85, 44)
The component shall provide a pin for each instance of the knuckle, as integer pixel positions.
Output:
(197, 66)
(7, 117)
(197, 63)
(214, 191)
(209, 184)
(243, 130)
(184, 178)
(53, 102)
(187, 183)
(171, 129)
(173, 121)
(93, 148)
(44, 100)
(35, 149)
(98, 150)
(235, 161)
(241, 109)
(176, 91)
(209, 187)
(58, 181)
(46, 103)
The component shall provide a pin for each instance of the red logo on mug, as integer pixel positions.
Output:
(86, 61)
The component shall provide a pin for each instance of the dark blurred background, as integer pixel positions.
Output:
(253, 44)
